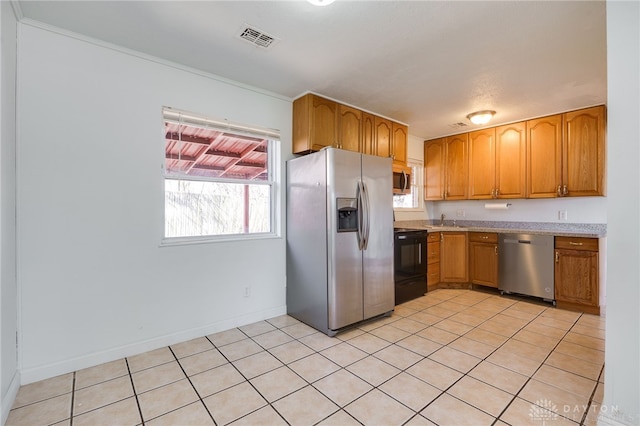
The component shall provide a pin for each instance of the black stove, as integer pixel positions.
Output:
(410, 263)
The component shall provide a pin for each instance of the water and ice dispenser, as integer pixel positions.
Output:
(347, 214)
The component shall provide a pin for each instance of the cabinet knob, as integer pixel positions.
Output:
(565, 190)
(571, 243)
(559, 191)
(557, 257)
(495, 248)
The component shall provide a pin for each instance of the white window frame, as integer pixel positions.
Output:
(417, 177)
(273, 181)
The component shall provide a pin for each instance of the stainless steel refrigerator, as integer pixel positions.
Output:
(339, 238)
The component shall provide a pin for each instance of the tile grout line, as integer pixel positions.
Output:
(73, 395)
(192, 385)
(135, 394)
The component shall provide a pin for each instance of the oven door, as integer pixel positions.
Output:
(410, 252)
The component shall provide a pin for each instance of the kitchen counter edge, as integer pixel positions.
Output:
(588, 230)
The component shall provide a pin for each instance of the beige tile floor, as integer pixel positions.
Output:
(452, 357)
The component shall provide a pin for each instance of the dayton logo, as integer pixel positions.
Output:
(543, 410)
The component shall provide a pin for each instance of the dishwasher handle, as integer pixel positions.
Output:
(514, 241)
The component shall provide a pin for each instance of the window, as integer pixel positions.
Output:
(411, 201)
(219, 178)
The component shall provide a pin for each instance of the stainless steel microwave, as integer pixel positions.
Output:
(401, 180)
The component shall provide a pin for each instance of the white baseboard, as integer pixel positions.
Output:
(44, 372)
(9, 398)
(615, 418)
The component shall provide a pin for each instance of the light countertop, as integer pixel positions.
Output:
(593, 230)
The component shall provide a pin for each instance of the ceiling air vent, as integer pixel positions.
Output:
(458, 125)
(257, 37)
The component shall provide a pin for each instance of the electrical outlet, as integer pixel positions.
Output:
(562, 215)
(247, 291)
(460, 213)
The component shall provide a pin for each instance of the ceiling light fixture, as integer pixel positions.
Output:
(320, 2)
(481, 117)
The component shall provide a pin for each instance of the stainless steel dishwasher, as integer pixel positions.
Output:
(526, 265)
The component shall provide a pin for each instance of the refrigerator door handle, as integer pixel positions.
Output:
(360, 207)
(367, 209)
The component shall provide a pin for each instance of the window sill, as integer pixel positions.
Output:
(186, 241)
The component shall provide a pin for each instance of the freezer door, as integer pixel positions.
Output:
(345, 304)
(378, 286)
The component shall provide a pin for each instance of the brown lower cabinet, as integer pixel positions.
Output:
(472, 258)
(433, 260)
(454, 252)
(577, 273)
(483, 258)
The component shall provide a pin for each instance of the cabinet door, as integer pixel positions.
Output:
(544, 156)
(368, 133)
(511, 160)
(454, 267)
(482, 164)
(583, 152)
(383, 135)
(400, 136)
(576, 277)
(456, 167)
(350, 128)
(434, 169)
(483, 264)
(315, 122)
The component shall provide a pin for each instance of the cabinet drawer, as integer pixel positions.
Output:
(433, 274)
(433, 236)
(433, 252)
(577, 243)
(483, 237)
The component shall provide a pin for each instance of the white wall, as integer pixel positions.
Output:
(95, 285)
(579, 210)
(622, 355)
(9, 377)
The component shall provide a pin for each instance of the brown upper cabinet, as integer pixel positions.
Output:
(434, 169)
(315, 121)
(566, 154)
(456, 167)
(482, 164)
(583, 152)
(349, 128)
(368, 133)
(446, 167)
(511, 161)
(556, 156)
(320, 122)
(544, 156)
(399, 145)
(383, 132)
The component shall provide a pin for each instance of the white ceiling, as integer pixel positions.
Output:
(425, 63)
